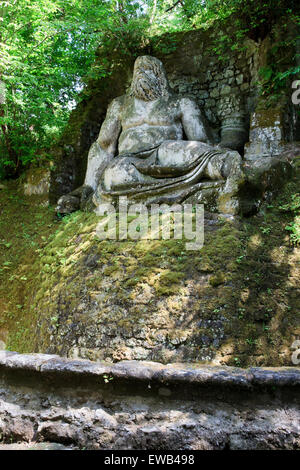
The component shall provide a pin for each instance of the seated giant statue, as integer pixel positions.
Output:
(153, 147)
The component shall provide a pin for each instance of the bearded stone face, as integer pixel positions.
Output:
(149, 79)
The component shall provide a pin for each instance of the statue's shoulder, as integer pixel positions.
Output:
(182, 101)
(189, 105)
(187, 100)
(116, 104)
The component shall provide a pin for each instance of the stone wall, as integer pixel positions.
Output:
(223, 88)
(134, 405)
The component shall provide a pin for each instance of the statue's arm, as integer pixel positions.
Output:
(104, 149)
(111, 127)
(192, 120)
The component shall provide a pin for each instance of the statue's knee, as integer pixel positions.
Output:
(214, 167)
(120, 175)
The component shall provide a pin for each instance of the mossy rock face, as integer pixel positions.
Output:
(129, 299)
(63, 291)
(154, 300)
(217, 279)
(265, 179)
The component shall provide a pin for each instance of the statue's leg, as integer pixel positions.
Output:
(121, 174)
(172, 158)
(181, 153)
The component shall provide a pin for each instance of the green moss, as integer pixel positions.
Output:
(25, 227)
(169, 282)
(245, 277)
(111, 269)
(217, 280)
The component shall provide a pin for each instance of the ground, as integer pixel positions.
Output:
(235, 302)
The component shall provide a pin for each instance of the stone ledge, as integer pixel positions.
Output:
(153, 371)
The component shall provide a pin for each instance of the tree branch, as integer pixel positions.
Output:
(173, 6)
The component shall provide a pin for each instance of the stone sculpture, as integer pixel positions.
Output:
(154, 147)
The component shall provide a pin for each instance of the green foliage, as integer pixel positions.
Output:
(293, 206)
(294, 229)
(283, 64)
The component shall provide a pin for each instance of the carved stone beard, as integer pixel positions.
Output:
(145, 88)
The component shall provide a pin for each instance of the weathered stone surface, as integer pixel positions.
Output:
(265, 176)
(24, 361)
(98, 159)
(141, 152)
(64, 433)
(147, 405)
(193, 68)
(266, 137)
(268, 172)
(70, 155)
(35, 446)
(156, 301)
(137, 157)
(146, 370)
(67, 204)
(59, 365)
(79, 198)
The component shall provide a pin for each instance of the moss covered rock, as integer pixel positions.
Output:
(235, 301)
